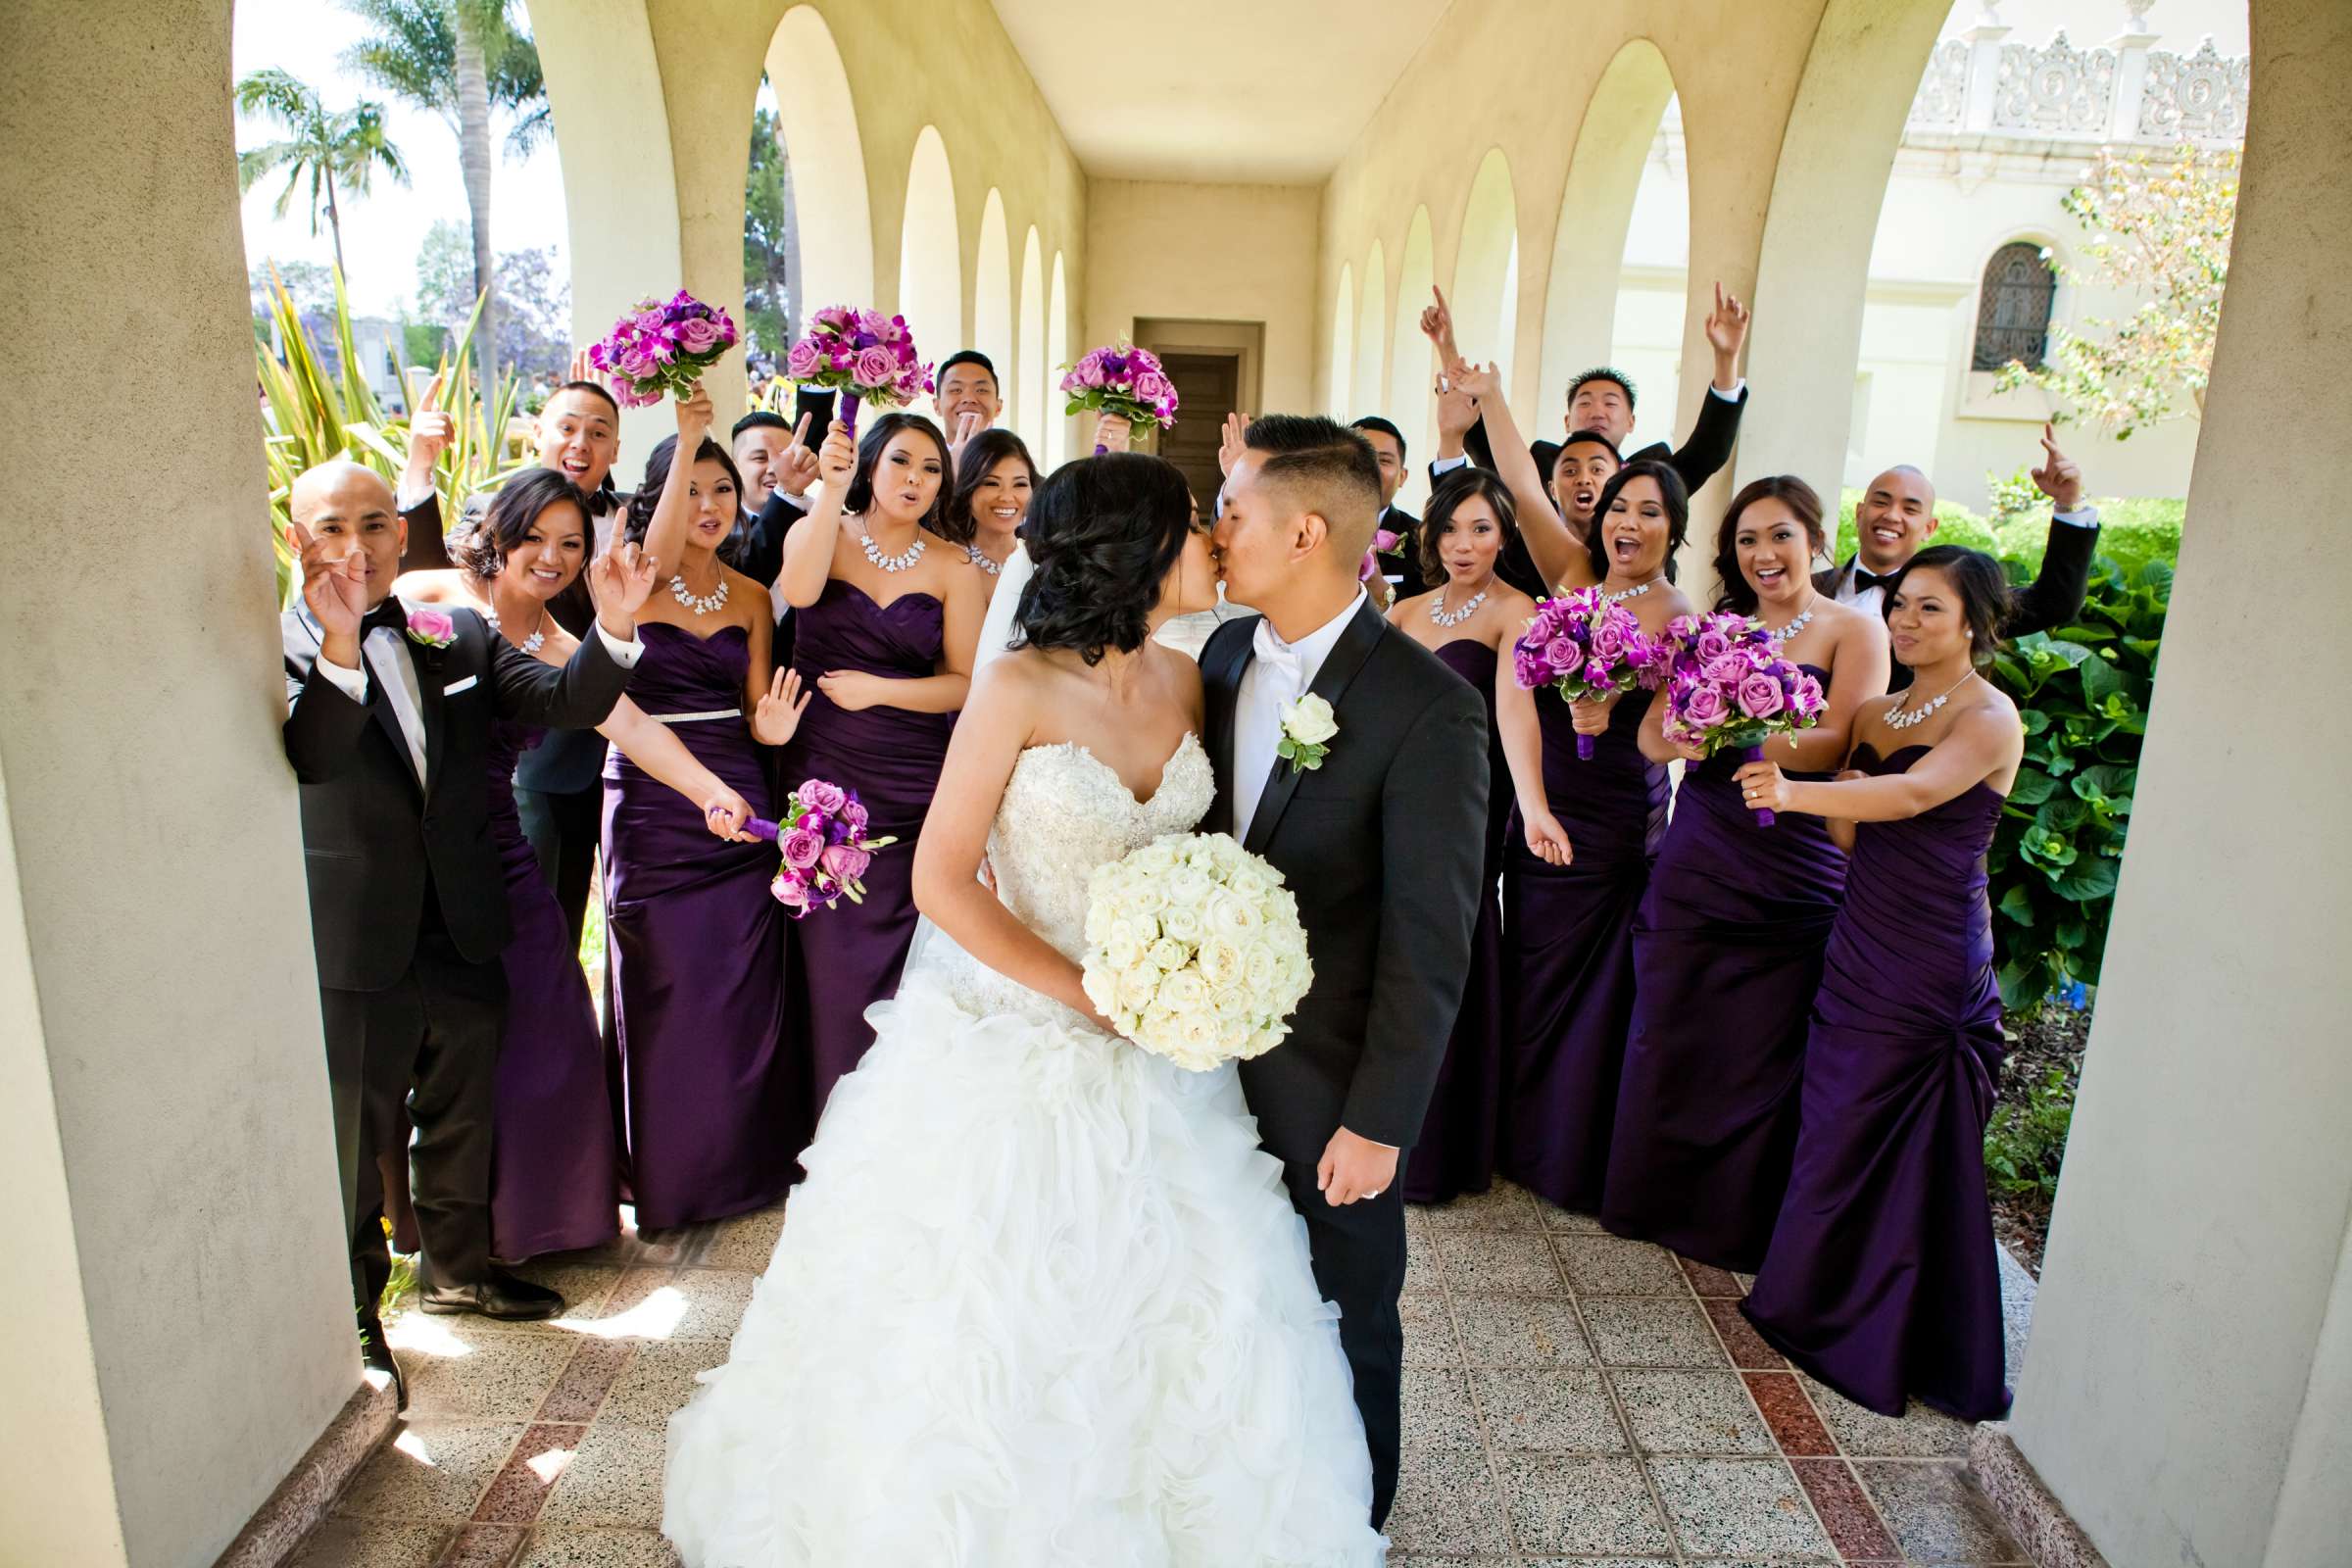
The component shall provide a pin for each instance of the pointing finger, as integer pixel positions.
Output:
(432, 393)
(799, 431)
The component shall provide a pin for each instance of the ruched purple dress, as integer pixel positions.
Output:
(696, 946)
(844, 959)
(1726, 957)
(1456, 1151)
(1569, 940)
(1881, 1278)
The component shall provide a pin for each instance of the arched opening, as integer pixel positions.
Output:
(832, 222)
(1056, 424)
(1343, 347)
(1485, 265)
(991, 291)
(1029, 386)
(1621, 123)
(931, 252)
(1412, 359)
(1371, 337)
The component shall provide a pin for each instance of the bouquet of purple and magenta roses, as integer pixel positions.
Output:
(826, 852)
(1124, 380)
(1586, 646)
(864, 355)
(656, 350)
(1727, 684)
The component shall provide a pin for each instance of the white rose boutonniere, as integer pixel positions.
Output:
(1307, 727)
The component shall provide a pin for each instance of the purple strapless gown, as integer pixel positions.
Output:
(1456, 1149)
(1569, 933)
(696, 946)
(552, 1165)
(1881, 1279)
(844, 959)
(1726, 957)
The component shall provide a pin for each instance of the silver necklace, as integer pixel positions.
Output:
(1632, 593)
(1783, 633)
(535, 641)
(899, 562)
(979, 557)
(710, 604)
(1897, 718)
(1440, 615)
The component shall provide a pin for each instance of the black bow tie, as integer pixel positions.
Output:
(391, 613)
(1866, 578)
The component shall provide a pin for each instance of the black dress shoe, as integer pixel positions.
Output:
(375, 1353)
(510, 1298)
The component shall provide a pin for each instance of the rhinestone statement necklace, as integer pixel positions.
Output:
(535, 641)
(1898, 717)
(899, 562)
(1440, 615)
(710, 604)
(980, 557)
(1785, 633)
(1633, 593)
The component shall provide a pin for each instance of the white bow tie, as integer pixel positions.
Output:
(1282, 662)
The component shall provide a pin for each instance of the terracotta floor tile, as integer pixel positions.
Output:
(1845, 1509)
(528, 1475)
(1794, 1423)
(595, 1366)
(1746, 1345)
(1708, 1279)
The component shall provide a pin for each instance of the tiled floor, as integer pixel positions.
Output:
(1569, 1398)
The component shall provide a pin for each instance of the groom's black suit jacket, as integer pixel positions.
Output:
(373, 839)
(1383, 846)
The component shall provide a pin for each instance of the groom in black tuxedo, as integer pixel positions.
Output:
(389, 713)
(1379, 839)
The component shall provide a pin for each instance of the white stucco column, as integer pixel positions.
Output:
(175, 1328)
(2188, 1393)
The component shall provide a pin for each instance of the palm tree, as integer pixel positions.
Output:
(346, 145)
(460, 59)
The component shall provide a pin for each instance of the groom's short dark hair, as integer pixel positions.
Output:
(1331, 470)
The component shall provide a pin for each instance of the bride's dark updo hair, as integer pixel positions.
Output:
(1104, 534)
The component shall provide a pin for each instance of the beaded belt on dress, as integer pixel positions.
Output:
(691, 718)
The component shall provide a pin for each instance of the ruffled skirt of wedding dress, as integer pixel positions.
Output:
(1041, 1299)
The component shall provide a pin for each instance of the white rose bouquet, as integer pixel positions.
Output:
(1194, 950)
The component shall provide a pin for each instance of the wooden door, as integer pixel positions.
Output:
(1207, 386)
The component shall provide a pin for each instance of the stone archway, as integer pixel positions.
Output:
(1340, 383)
(1028, 380)
(1056, 429)
(991, 291)
(930, 252)
(1486, 269)
(1371, 334)
(1412, 359)
(819, 120)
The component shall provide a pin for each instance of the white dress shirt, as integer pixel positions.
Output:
(1279, 675)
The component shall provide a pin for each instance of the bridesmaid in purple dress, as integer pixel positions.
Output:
(1469, 621)
(1727, 943)
(886, 615)
(554, 1164)
(1569, 919)
(1881, 1277)
(695, 942)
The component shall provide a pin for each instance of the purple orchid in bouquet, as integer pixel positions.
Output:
(825, 848)
(1729, 685)
(864, 355)
(1124, 380)
(656, 350)
(1587, 648)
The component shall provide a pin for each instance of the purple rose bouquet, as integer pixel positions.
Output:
(1586, 648)
(1124, 380)
(1728, 685)
(823, 837)
(864, 355)
(656, 350)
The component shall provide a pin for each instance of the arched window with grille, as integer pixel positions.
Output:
(2013, 313)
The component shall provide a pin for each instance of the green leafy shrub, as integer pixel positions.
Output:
(2083, 696)
(2026, 1140)
(2132, 530)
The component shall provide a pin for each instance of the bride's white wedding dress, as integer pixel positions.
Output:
(1042, 1299)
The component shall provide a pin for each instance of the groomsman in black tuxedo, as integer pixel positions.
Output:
(1380, 839)
(1602, 398)
(388, 721)
(1897, 516)
(1401, 564)
(559, 783)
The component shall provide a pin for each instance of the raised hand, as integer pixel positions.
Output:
(795, 468)
(582, 368)
(968, 425)
(1457, 411)
(1477, 382)
(334, 581)
(695, 417)
(1727, 330)
(431, 428)
(724, 812)
(2058, 477)
(1436, 324)
(837, 458)
(1232, 442)
(620, 580)
(778, 713)
(1547, 839)
(1113, 433)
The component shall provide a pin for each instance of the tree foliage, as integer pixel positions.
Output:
(768, 241)
(322, 146)
(414, 54)
(2160, 230)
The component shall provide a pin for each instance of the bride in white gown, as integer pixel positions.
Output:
(1042, 1299)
